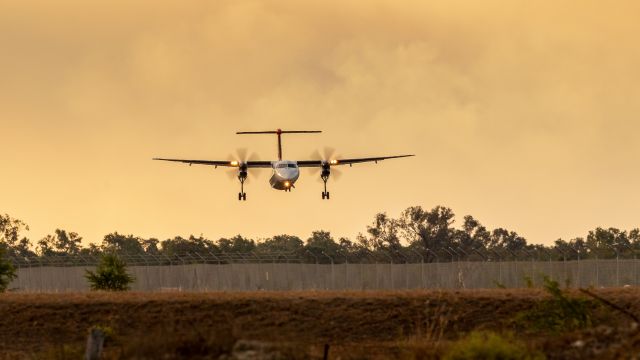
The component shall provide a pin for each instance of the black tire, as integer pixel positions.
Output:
(244, 197)
(328, 195)
(323, 195)
(240, 196)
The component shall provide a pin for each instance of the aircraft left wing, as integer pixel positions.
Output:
(334, 162)
(227, 163)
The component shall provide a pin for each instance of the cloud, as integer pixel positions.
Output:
(524, 96)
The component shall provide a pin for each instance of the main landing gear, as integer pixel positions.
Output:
(242, 176)
(325, 177)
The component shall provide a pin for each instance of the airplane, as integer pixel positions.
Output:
(284, 172)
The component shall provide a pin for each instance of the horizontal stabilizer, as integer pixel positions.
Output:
(280, 132)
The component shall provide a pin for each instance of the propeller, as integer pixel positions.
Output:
(326, 155)
(242, 155)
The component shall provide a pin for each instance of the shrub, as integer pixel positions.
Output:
(7, 271)
(111, 275)
(490, 346)
(560, 313)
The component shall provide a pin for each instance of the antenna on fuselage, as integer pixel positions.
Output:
(279, 132)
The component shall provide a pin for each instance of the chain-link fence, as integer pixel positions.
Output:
(289, 271)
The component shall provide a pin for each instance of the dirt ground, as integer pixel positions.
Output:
(354, 325)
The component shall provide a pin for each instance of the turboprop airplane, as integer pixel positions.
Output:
(285, 173)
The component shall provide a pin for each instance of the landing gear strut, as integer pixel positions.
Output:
(242, 176)
(325, 177)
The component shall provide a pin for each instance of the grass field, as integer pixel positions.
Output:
(355, 325)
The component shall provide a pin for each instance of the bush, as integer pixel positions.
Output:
(111, 275)
(560, 313)
(490, 346)
(7, 271)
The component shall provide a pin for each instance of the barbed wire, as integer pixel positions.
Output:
(403, 255)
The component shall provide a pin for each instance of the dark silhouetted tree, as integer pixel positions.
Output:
(118, 243)
(281, 243)
(236, 244)
(431, 228)
(321, 244)
(179, 245)
(7, 271)
(11, 238)
(62, 243)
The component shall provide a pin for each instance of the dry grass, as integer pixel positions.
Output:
(401, 324)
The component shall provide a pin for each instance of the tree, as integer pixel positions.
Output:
(432, 228)
(607, 239)
(7, 271)
(62, 243)
(150, 246)
(281, 243)
(110, 275)
(10, 237)
(383, 234)
(473, 235)
(321, 244)
(179, 245)
(236, 244)
(505, 239)
(119, 243)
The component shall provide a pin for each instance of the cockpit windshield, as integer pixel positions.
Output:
(283, 166)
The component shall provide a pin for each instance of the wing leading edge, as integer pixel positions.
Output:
(334, 162)
(226, 163)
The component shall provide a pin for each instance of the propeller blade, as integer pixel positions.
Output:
(241, 154)
(336, 174)
(329, 153)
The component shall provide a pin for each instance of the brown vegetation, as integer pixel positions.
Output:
(417, 324)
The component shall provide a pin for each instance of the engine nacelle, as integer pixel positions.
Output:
(242, 171)
(326, 170)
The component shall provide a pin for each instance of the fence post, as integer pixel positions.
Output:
(346, 271)
(597, 270)
(406, 269)
(332, 275)
(421, 268)
(315, 281)
(390, 268)
(617, 264)
(531, 256)
(435, 255)
(579, 266)
(460, 272)
(515, 260)
(564, 262)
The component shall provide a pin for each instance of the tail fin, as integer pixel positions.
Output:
(279, 132)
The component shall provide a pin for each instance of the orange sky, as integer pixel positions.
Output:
(523, 114)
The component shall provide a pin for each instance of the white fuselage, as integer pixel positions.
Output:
(284, 175)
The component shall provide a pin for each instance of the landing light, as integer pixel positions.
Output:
(234, 163)
(333, 162)
(287, 184)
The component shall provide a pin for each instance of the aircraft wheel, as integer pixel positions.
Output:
(323, 195)
(244, 196)
(240, 196)
(327, 195)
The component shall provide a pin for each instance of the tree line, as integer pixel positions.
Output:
(430, 235)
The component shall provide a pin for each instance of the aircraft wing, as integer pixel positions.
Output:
(227, 163)
(334, 162)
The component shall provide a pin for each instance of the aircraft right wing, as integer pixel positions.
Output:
(226, 163)
(334, 162)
